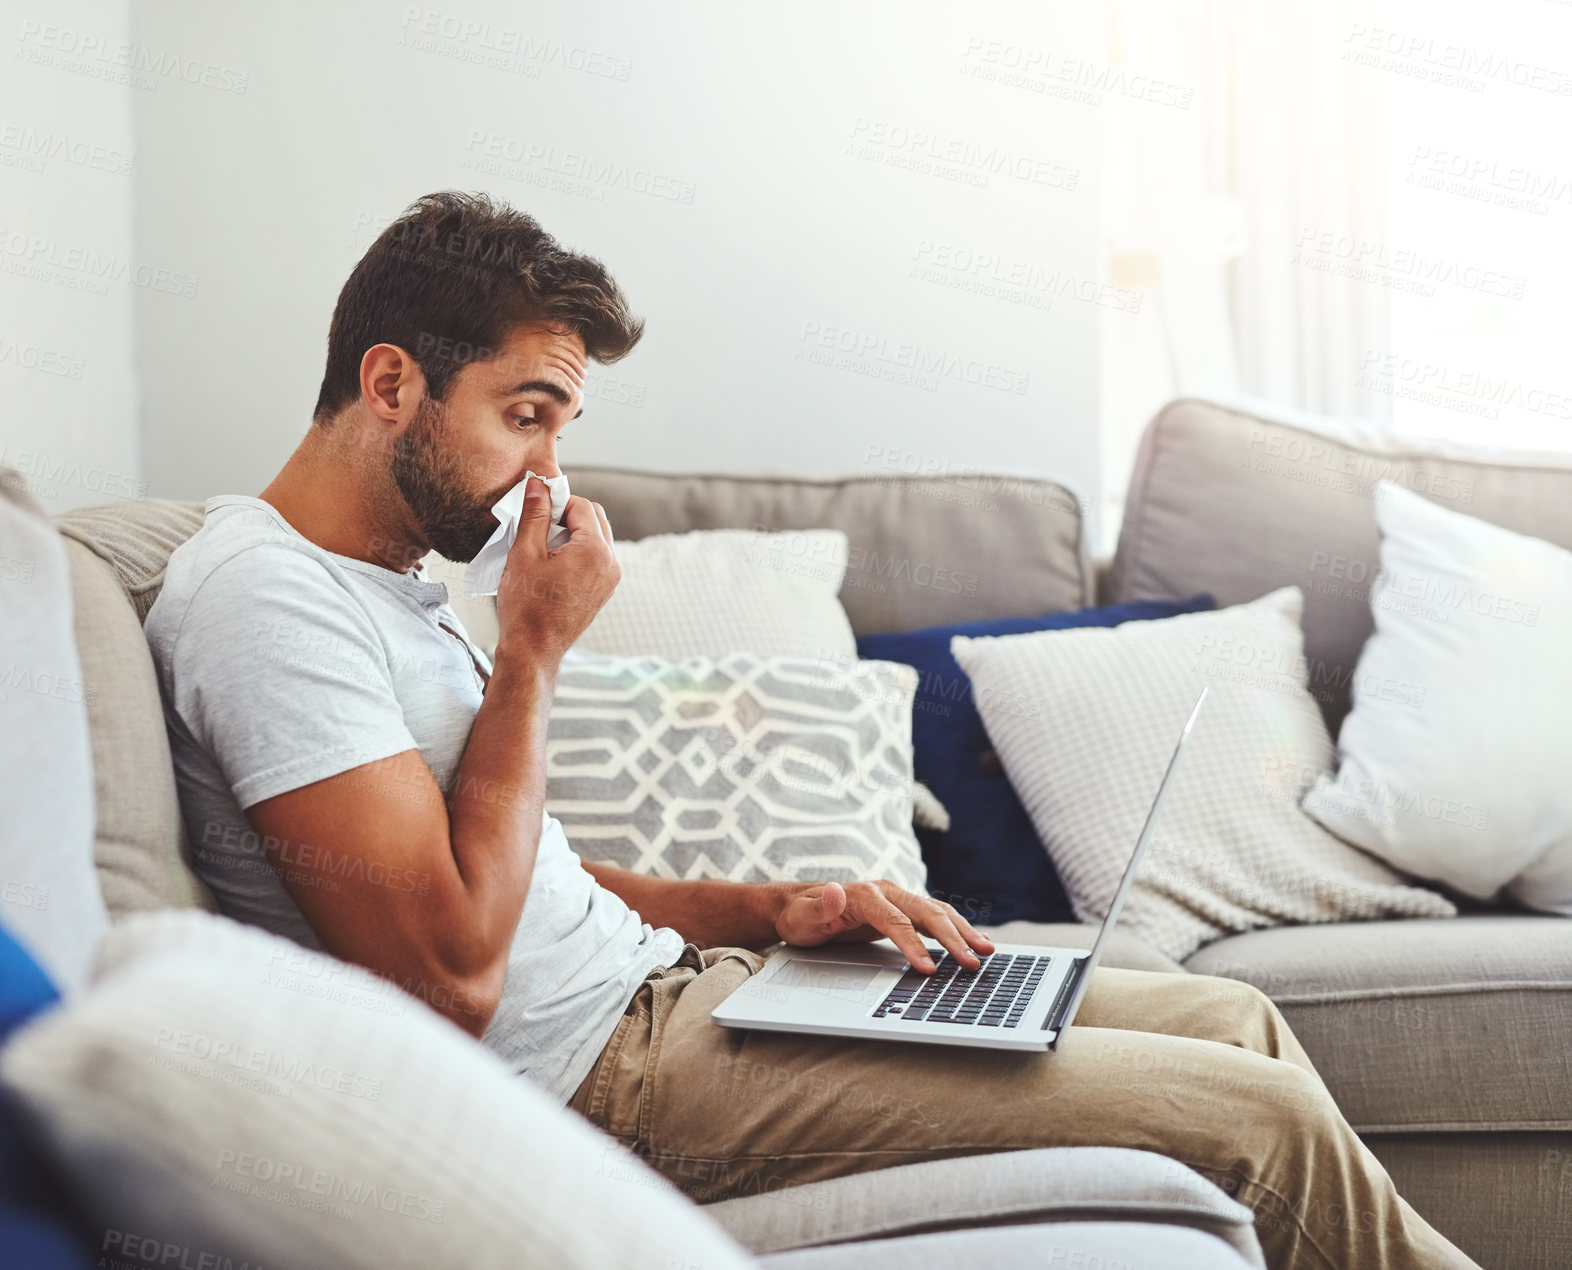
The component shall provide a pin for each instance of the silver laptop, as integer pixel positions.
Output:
(1023, 997)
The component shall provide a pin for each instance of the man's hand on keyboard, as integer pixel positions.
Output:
(821, 912)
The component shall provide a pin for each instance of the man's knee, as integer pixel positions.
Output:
(1242, 1004)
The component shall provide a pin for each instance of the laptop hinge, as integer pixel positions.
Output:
(1066, 991)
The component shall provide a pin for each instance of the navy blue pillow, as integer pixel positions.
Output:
(990, 863)
(37, 1227)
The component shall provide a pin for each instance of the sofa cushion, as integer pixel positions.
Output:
(742, 767)
(1238, 500)
(1085, 723)
(1087, 1245)
(1441, 771)
(48, 893)
(140, 840)
(1018, 1187)
(118, 554)
(1424, 1025)
(713, 591)
(136, 538)
(245, 1100)
(1125, 950)
(921, 550)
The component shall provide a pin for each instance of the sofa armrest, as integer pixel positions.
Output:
(1060, 1184)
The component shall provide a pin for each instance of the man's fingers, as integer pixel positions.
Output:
(832, 904)
(974, 937)
(534, 516)
(875, 910)
(936, 921)
(579, 514)
(933, 917)
(605, 525)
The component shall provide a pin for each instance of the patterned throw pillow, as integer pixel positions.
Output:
(1084, 722)
(740, 766)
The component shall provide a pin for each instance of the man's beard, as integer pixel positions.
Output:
(429, 473)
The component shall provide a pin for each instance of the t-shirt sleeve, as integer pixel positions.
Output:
(281, 676)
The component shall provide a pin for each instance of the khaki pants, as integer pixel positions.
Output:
(1200, 1069)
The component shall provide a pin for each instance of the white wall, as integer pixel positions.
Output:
(68, 279)
(787, 134)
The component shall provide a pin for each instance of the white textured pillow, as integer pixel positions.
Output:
(742, 767)
(727, 590)
(1084, 722)
(1454, 762)
(237, 1099)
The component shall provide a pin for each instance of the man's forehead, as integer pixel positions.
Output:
(534, 352)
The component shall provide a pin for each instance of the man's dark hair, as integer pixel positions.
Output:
(450, 279)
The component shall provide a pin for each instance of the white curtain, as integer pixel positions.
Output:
(1207, 206)
(1283, 140)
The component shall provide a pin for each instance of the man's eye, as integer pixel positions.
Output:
(523, 420)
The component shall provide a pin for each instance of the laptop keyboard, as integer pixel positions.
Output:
(994, 996)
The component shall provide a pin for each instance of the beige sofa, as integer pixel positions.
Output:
(1448, 1044)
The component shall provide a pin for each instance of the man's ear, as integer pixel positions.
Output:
(390, 380)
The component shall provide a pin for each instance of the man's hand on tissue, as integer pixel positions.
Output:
(547, 597)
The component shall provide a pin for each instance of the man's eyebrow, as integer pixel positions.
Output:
(555, 391)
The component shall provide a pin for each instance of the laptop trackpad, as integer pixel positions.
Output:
(839, 979)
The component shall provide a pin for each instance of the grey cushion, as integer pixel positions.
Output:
(1239, 501)
(136, 538)
(1018, 1187)
(1424, 1025)
(140, 841)
(118, 554)
(1125, 951)
(1091, 1245)
(923, 552)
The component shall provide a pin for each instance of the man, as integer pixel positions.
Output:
(355, 774)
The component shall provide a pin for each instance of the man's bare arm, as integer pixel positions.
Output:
(430, 893)
(705, 911)
(711, 913)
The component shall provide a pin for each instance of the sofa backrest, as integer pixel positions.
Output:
(923, 551)
(117, 554)
(1241, 499)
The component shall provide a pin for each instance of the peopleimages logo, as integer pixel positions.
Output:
(48, 259)
(126, 1250)
(488, 151)
(116, 61)
(916, 148)
(846, 348)
(1022, 281)
(37, 148)
(504, 48)
(287, 1181)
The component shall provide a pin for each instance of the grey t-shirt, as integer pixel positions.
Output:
(283, 664)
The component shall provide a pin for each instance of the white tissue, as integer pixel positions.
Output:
(485, 571)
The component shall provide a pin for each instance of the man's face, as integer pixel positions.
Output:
(501, 419)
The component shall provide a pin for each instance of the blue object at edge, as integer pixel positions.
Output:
(37, 1229)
